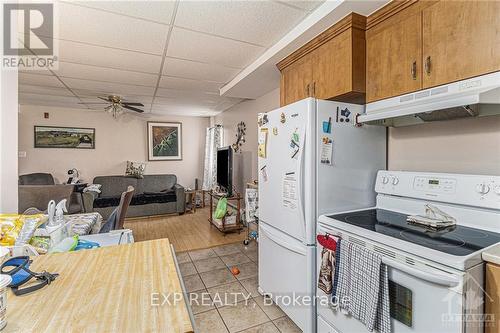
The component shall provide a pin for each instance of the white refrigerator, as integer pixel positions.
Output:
(312, 160)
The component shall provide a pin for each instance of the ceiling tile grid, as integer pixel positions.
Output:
(172, 56)
(258, 22)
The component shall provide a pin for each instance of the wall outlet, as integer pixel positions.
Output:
(21, 154)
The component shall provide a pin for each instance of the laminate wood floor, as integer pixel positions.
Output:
(187, 232)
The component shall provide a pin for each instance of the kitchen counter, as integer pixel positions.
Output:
(109, 289)
(492, 255)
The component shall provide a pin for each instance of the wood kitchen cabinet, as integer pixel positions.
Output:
(393, 56)
(414, 45)
(331, 66)
(492, 298)
(339, 68)
(296, 80)
(461, 39)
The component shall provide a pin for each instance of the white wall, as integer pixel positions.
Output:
(457, 146)
(116, 142)
(8, 141)
(247, 112)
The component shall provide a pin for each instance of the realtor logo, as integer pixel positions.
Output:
(35, 22)
(28, 36)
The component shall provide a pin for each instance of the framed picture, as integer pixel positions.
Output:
(164, 141)
(64, 137)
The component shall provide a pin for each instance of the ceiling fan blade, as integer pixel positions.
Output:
(133, 109)
(104, 98)
(133, 104)
(93, 103)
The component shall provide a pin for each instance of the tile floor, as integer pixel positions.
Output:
(222, 302)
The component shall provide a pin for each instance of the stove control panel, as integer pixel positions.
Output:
(472, 190)
(435, 184)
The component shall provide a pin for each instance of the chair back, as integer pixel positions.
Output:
(38, 178)
(121, 211)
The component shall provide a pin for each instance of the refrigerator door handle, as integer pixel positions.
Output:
(300, 183)
(274, 236)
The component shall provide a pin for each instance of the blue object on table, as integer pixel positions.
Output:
(86, 245)
(21, 274)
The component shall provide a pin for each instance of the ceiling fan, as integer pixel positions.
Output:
(116, 105)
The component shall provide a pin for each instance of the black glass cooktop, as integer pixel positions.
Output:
(457, 240)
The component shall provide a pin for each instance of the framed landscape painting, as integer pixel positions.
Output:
(64, 137)
(164, 141)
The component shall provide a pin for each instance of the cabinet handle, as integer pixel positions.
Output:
(308, 90)
(314, 90)
(428, 65)
(414, 70)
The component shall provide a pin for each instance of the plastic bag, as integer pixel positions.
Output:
(12, 224)
(221, 209)
(30, 223)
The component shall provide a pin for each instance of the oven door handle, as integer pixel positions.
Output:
(437, 278)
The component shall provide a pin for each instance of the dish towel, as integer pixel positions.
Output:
(336, 273)
(363, 281)
(327, 268)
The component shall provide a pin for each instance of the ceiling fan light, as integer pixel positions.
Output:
(116, 108)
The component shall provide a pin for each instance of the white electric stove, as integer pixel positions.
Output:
(436, 276)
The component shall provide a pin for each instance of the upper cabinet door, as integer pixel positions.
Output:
(461, 39)
(393, 56)
(296, 80)
(332, 70)
(339, 70)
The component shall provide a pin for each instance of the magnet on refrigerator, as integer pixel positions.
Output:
(262, 148)
(327, 126)
(326, 151)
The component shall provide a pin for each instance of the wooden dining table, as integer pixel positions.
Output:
(119, 288)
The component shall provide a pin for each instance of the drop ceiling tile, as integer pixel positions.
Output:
(182, 109)
(306, 5)
(183, 113)
(39, 80)
(92, 100)
(195, 105)
(70, 100)
(258, 22)
(87, 72)
(189, 101)
(67, 105)
(30, 89)
(226, 104)
(97, 27)
(92, 94)
(35, 71)
(159, 11)
(188, 84)
(211, 49)
(108, 57)
(106, 88)
(197, 70)
(186, 94)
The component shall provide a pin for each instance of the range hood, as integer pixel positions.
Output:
(476, 97)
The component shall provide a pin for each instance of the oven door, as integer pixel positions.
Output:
(421, 300)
